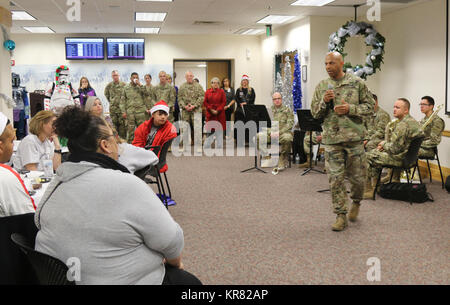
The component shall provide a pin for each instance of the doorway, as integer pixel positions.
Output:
(203, 70)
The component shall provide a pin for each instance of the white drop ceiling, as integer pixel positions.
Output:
(183, 16)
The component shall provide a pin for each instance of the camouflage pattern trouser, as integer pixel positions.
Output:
(133, 121)
(345, 160)
(376, 159)
(119, 123)
(307, 140)
(285, 141)
(426, 152)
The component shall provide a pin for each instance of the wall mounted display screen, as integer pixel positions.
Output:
(85, 48)
(125, 48)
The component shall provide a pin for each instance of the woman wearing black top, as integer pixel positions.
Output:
(229, 93)
(245, 95)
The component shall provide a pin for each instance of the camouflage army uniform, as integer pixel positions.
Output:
(150, 96)
(285, 118)
(399, 134)
(306, 140)
(343, 137)
(135, 105)
(375, 125)
(166, 93)
(191, 94)
(432, 138)
(113, 93)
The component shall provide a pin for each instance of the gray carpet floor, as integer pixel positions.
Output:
(256, 229)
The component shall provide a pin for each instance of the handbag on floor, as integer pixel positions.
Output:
(412, 192)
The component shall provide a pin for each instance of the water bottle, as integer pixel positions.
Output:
(48, 166)
(297, 159)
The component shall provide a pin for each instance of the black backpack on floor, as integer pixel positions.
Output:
(447, 184)
(412, 192)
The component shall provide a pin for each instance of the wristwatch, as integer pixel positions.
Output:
(58, 151)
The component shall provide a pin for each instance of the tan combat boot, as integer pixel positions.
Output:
(396, 176)
(340, 224)
(306, 164)
(386, 178)
(368, 189)
(354, 211)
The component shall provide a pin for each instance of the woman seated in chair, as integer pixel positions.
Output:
(156, 131)
(132, 157)
(110, 220)
(41, 143)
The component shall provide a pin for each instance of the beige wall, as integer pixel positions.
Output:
(5, 70)
(414, 63)
(161, 50)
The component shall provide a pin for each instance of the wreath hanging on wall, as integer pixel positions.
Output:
(374, 39)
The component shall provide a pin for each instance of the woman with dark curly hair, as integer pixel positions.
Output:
(110, 220)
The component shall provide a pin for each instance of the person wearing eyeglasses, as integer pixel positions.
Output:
(433, 130)
(285, 118)
(111, 221)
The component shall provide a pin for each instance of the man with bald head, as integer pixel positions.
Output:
(14, 197)
(342, 101)
(190, 100)
(285, 118)
(398, 136)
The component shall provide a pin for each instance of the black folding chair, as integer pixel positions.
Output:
(15, 268)
(435, 157)
(410, 161)
(49, 270)
(154, 171)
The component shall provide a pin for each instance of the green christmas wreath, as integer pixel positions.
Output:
(374, 39)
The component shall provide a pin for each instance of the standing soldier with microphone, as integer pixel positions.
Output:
(342, 101)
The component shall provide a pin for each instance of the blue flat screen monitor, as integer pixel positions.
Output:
(85, 48)
(125, 48)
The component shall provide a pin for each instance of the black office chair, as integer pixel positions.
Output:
(15, 268)
(410, 161)
(154, 171)
(435, 157)
(49, 270)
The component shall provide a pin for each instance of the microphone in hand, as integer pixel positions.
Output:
(330, 104)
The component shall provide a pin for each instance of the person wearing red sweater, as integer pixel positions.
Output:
(214, 102)
(156, 131)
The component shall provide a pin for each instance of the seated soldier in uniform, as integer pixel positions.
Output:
(392, 150)
(156, 131)
(14, 197)
(375, 125)
(433, 129)
(316, 139)
(285, 117)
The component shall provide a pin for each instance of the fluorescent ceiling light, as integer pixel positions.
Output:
(38, 29)
(21, 15)
(275, 19)
(312, 2)
(151, 16)
(147, 30)
(202, 66)
(154, 0)
(252, 32)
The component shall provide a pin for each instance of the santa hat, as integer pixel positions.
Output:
(245, 77)
(161, 105)
(3, 123)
